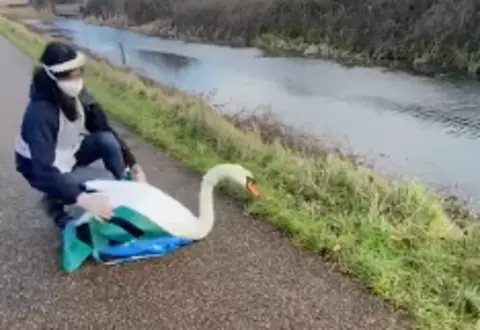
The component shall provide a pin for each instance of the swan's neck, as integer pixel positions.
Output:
(206, 215)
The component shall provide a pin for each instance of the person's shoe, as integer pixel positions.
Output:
(53, 209)
(62, 221)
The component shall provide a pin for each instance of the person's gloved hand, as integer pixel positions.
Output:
(96, 204)
(137, 174)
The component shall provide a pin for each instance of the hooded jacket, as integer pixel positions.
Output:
(37, 146)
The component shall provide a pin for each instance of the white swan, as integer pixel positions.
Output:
(165, 211)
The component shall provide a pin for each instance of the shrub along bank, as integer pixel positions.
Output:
(429, 36)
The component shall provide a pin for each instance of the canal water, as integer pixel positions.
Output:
(420, 127)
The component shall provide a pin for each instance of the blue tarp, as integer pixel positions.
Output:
(120, 240)
(127, 236)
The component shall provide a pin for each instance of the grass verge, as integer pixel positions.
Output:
(394, 236)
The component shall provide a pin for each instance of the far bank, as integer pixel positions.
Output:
(432, 37)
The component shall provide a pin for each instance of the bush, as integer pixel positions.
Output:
(443, 34)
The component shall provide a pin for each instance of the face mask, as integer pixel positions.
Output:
(71, 87)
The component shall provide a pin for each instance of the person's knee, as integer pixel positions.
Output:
(107, 142)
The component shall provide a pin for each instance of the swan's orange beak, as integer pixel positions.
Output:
(252, 188)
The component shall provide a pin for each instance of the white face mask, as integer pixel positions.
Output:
(71, 87)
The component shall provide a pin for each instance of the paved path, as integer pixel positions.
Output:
(244, 276)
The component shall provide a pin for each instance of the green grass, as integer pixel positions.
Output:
(396, 237)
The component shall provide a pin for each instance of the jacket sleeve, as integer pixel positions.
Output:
(96, 120)
(39, 131)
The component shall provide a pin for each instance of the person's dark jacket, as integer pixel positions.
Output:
(39, 130)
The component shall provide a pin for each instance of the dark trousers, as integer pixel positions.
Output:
(97, 146)
(104, 146)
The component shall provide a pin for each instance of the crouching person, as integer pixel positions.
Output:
(64, 128)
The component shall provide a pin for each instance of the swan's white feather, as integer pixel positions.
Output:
(167, 212)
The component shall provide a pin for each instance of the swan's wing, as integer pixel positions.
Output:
(167, 212)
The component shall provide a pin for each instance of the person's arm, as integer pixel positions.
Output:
(96, 120)
(39, 131)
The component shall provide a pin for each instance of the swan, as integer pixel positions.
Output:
(171, 216)
(147, 222)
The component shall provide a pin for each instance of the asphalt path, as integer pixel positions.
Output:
(243, 276)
